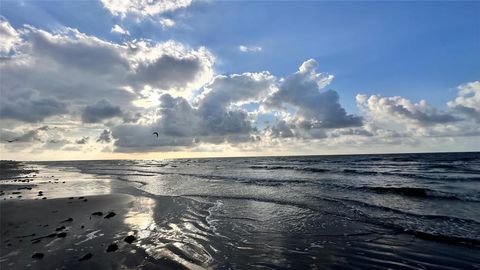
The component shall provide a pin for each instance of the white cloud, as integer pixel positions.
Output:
(10, 37)
(70, 70)
(143, 8)
(468, 100)
(119, 30)
(314, 107)
(402, 110)
(407, 119)
(247, 49)
(166, 22)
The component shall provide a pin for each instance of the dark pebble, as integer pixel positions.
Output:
(110, 215)
(71, 198)
(80, 198)
(97, 214)
(87, 256)
(112, 248)
(68, 220)
(62, 235)
(60, 228)
(129, 239)
(37, 255)
(36, 241)
(44, 198)
(85, 200)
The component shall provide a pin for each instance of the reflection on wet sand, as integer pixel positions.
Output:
(173, 238)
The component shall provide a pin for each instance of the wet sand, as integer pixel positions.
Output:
(68, 233)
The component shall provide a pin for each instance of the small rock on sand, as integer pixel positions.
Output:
(110, 215)
(112, 247)
(129, 239)
(97, 214)
(37, 255)
(60, 228)
(68, 220)
(62, 235)
(87, 256)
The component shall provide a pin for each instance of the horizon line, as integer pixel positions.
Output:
(248, 156)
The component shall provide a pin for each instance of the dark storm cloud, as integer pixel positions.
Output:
(168, 71)
(100, 111)
(30, 108)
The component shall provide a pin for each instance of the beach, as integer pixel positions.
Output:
(338, 212)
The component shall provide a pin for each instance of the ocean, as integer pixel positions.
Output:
(396, 211)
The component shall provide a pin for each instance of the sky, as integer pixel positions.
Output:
(95, 79)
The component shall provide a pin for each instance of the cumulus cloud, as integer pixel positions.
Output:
(143, 8)
(69, 68)
(247, 49)
(315, 107)
(403, 110)
(467, 101)
(212, 118)
(10, 37)
(105, 137)
(401, 118)
(100, 111)
(171, 66)
(130, 90)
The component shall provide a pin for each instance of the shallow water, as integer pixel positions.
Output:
(387, 211)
